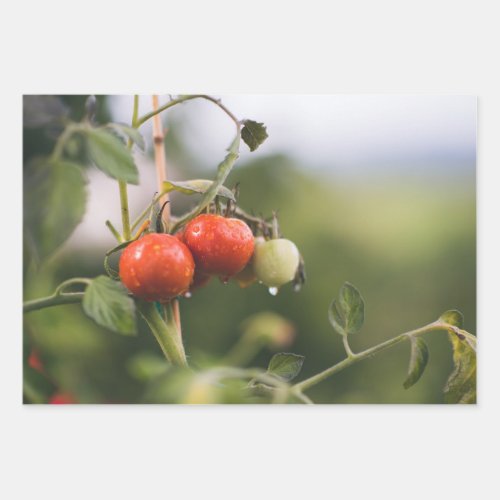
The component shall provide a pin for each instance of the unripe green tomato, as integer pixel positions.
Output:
(275, 262)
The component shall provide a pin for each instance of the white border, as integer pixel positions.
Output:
(248, 452)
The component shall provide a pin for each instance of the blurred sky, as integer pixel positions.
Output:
(349, 134)
(357, 137)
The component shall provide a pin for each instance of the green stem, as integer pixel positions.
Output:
(127, 233)
(185, 98)
(354, 358)
(229, 372)
(347, 347)
(122, 186)
(222, 172)
(52, 300)
(165, 332)
(71, 281)
(114, 232)
(302, 397)
(135, 112)
(58, 297)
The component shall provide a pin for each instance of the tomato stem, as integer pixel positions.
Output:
(165, 332)
(52, 300)
(354, 358)
(114, 232)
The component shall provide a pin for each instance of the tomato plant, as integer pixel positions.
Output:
(165, 257)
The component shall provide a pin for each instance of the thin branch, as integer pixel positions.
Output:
(315, 379)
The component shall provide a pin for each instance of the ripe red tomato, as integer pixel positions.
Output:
(220, 245)
(157, 267)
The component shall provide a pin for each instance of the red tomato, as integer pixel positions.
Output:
(220, 246)
(157, 267)
(199, 279)
(62, 398)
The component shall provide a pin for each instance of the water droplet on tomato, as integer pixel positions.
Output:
(273, 290)
(188, 295)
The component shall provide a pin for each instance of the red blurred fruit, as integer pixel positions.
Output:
(35, 362)
(62, 398)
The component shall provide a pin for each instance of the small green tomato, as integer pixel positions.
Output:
(275, 262)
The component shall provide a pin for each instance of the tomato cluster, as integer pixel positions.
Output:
(159, 267)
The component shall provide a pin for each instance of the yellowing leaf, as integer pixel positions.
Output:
(461, 384)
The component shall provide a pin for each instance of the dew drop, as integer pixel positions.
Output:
(188, 295)
(273, 290)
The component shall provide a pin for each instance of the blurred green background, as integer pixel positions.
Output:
(406, 239)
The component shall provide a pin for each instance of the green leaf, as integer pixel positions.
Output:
(453, 317)
(54, 204)
(197, 186)
(285, 366)
(107, 303)
(347, 313)
(461, 384)
(253, 133)
(418, 361)
(111, 156)
(36, 387)
(128, 132)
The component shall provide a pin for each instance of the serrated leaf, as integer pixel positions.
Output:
(285, 366)
(461, 384)
(418, 361)
(54, 204)
(111, 156)
(347, 312)
(129, 132)
(453, 317)
(253, 133)
(197, 186)
(107, 303)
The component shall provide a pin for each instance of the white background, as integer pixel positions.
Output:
(217, 47)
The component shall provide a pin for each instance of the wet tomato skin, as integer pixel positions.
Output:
(157, 267)
(220, 246)
(200, 279)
